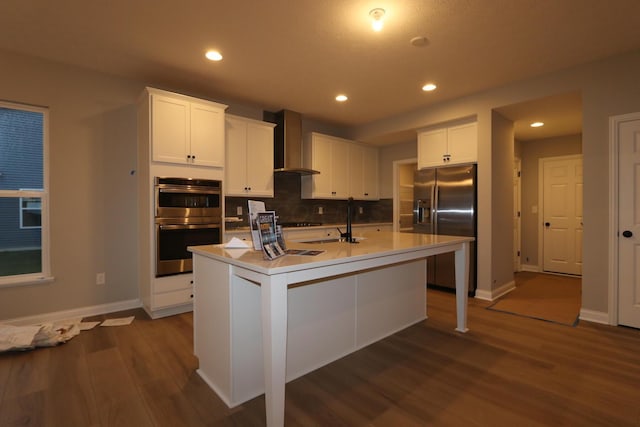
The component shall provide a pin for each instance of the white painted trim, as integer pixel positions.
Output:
(75, 313)
(541, 162)
(594, 316)
(531, 268)
(396, 193)
(495, 293)
(170, 311)
(614, 123)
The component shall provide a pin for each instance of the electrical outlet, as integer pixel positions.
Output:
(320, 210)
(101, 278)
(360, 210)
(239, 211)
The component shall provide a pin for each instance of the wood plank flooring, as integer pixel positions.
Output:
(507, 370)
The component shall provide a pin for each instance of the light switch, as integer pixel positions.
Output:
(534, 209)
(239, 211)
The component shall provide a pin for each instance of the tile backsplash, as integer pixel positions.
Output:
(290, 207)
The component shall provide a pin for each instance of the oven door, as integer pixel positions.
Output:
(172, 240)
(181, 202)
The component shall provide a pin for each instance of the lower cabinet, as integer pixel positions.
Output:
(171, 295)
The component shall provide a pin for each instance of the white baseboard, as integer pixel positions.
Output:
(531, 268)
(495, 293)
(594, 316)
(75, 313)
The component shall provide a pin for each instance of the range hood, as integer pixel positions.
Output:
(287, 150)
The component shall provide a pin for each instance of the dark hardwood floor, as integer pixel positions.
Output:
(506, 371)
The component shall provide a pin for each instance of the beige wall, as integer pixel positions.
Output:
(502, 201)
(531, 152)
(92, 191)
(389, 154)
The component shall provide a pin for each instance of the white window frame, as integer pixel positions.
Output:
(43, 276)
(23, 209)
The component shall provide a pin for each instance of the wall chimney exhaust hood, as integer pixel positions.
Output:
(287, 150)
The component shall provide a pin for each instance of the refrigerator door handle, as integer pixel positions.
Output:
(419, 212)
(434, 209)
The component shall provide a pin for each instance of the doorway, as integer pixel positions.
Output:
(403, 171)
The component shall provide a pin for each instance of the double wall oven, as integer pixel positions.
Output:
(188, 212)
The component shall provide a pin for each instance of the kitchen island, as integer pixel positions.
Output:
(259, 323)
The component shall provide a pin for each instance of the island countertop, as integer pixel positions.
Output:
(334, 253)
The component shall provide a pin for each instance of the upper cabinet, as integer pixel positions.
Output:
(363, 172)
(329, 156)
(347, 169)
(186, 130)
(249, 157)
(448, 146)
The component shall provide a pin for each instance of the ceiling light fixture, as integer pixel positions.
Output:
(341, 98)
(537, 124)
(213, 55)
(429, 87)
(377, 17)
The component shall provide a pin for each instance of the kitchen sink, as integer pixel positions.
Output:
(322, 241)
(329, 240)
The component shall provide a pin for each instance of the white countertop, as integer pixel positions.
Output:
(372, 245)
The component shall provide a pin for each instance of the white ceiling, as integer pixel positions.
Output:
(300, 54)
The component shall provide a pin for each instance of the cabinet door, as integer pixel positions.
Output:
(356, 171)
(370, 173)
(207, 135)
(169, 129)
(432, 147)
(321, 161)
(260, 160)
(463, 143)
(236, 157)
(339, 170)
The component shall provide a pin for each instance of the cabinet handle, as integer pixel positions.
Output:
(366, 194)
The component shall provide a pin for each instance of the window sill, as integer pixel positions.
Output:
(26, 280)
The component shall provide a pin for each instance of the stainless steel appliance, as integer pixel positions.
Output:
(445, 203)
(188, 212)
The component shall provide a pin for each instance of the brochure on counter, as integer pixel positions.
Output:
(267, 235)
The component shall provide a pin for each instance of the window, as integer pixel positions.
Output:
(24, 231)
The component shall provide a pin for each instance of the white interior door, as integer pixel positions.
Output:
(629, 224)
(562, 214)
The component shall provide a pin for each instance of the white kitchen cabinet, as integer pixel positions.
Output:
(186, 130)
(363, 172)
(165, 135)
(448, 146)
(249, 157)
(330, 156)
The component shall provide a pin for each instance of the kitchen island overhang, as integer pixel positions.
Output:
(337, 302)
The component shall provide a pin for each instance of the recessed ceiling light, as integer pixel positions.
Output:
(214, 55)
(341, 98)
(429, 87)
(377, 18)
(537, 124)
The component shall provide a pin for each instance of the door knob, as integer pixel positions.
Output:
(547, 224)
(627, 233)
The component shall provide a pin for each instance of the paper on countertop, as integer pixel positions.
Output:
(123, 321)
(236, 243)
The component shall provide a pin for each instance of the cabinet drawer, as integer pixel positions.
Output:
(172, 298)
(172, 283)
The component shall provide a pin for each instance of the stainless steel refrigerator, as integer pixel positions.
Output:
(444, 202)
